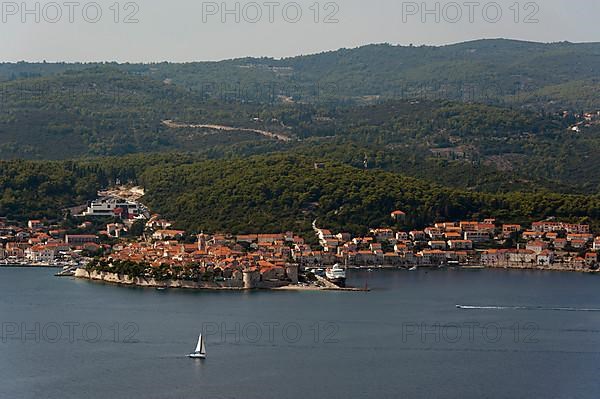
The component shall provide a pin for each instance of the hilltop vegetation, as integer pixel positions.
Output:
(493, 71)
(103, 111)
(275, 192)
(444, 132)
(269, 193)
(106, 112)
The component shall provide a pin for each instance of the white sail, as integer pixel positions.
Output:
(200, 345)
(200, 351)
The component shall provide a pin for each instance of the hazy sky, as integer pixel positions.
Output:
(190, 30)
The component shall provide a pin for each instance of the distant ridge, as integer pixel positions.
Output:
(548, 75)
(477, 42)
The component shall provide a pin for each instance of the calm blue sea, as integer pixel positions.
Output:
(520, 334)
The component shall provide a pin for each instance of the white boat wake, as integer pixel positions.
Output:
(470, 307)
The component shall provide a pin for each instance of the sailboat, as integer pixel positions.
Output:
(200, 352)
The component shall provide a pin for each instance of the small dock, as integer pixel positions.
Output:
(329, 286)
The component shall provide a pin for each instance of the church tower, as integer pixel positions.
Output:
(202, 242)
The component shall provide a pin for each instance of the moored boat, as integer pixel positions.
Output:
(336, 274)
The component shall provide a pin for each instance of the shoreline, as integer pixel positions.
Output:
(482, 267)
(17, 265)
(123, 280)
(543, 269)
(111, 278)
(374, 269)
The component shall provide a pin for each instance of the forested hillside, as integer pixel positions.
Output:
(105, 112)
(550, 76)
(102, 111)
(269, 193)
(230, 145)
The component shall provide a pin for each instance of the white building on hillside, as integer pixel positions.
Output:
(111, 206)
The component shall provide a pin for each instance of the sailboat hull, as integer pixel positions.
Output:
(196, 356)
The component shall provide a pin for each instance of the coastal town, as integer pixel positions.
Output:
(140, 246)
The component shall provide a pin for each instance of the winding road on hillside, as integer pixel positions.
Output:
(277, 136)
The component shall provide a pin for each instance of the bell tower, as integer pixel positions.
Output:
(202, 242)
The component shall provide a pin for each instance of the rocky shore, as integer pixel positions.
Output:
(227, 285)
(120, 279)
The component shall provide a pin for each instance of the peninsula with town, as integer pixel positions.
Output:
(141, 248)
(262, 173)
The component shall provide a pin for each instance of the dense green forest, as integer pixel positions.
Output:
(280, 191)
(269, 193)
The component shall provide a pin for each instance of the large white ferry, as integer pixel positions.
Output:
(336, 274)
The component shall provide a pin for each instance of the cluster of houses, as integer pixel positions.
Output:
(440, 244)
(39, 243)
(265, 259)
(547, 244)
(279, 257)
(43, 243)
(262, 260)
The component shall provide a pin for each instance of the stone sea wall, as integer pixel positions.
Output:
(151, 282)
(250, 281)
